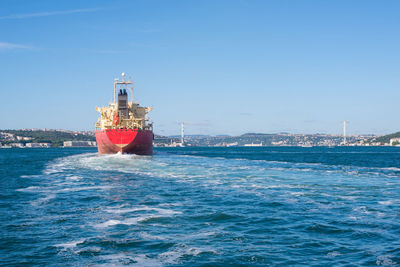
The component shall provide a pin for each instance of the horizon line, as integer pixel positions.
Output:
(212, 135)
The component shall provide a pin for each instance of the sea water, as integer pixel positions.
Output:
(201, 207)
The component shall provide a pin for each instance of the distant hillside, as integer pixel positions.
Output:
(281, 139)
(386, 138)
(191, 136)
(56, 138)
(256, 134)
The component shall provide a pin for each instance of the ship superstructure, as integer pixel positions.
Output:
(124, 125)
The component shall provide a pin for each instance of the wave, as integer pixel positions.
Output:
(139, 218)
(175, 166)
(43, 200)
(32, 189)
(128, 221)
(250, 176)
(71, 244)
(83, 188)
(386, 260)
(386, 203)
(173, 256)
(121, 259)
(143, 208)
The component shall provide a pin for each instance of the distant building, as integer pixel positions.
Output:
(277, 143)
(79, 143)
(231, 144)
(252, 144)
(34, 145)
(224, 144)
(19, 138)
(7, 136)
(19, 145)
(174, 144)
(394, 141)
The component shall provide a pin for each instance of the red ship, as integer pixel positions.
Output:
(124, 126)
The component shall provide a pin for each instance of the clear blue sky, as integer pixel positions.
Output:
(224, 67)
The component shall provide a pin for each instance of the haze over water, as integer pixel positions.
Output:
(201, 207)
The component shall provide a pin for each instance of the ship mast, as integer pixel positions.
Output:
(122, 113)
(128, 83)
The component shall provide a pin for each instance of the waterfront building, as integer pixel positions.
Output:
(79, 143)
(252, 144)
(36, 145)
(19, 145)
(394, 141)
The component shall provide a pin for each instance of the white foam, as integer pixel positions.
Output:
(170, 257)
(333, 254)
(43, 200)
(380, 214)
(75, 189)
(391, 169)
(129, 221)
(70, 245)
(173, 256)
(385, 260)
(297, 193)
(147, 236)
(387, 202)
(142, 208)
(60, 165)
(200, 235)
(117, 260)
(56, 167)
(135, 220)
(74, 178)
(122, 259)
(30, 189)
(348, 197)
(144, 260)
(170, 204)
(29, 176)
(108, 223)
(89, 249)
(362, 210)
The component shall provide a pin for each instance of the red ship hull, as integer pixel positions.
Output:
(129, 141)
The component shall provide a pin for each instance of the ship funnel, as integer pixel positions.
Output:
(125, 85)
(123, 104)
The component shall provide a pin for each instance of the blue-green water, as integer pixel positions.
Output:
(201, 207)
